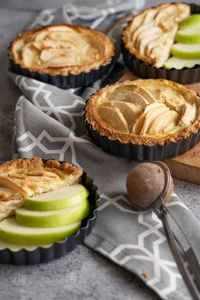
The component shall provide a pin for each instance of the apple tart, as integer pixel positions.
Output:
(65, 55)
(29, 177)
(144, 119)
(55, 207)
(148, 41)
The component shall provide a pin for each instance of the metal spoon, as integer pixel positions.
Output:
(181, 248)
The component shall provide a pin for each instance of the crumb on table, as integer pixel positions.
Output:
(145, 274)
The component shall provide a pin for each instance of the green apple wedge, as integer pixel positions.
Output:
(180, 63)
(189, 30)
(63, 197)
(17, 247)
(186, 51)
(12, 232)
(53, 218)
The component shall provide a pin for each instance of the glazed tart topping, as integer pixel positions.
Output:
(29, 177)
(64, 48)
(150, 35)
(150, 109)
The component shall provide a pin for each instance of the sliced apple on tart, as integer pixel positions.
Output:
(157, 111)
(46, 198)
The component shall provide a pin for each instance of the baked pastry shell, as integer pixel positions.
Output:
(138, 149)
(144, 70)
(141, 152)
(62, 81)
(44, 254)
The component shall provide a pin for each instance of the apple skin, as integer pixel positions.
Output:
(181, 37)
(54, 218)
(12, 232)
(190, 21)
(62, 198)
(180, 63)
(186, 51)
(189, 30)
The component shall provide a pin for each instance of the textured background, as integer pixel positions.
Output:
(83, 274)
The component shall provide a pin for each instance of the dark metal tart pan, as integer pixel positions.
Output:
(144, 70)
(141, 152)
(64, 82)
(45, 254)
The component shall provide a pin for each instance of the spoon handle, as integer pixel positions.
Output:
(186, 259)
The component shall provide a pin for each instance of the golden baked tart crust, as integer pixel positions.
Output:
(32, 176)
(144, 112)
(62, 49)
(145, 54)
(150, 34)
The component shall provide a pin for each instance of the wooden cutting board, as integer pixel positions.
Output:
(187, 165)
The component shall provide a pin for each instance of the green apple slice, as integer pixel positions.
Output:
(17, 247)
(190, 21)
(189, 30)
(12, 232)
(186, 51)
(180, 63)
(53, 218)
(63, 197)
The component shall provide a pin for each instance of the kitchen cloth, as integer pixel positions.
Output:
(49, 123)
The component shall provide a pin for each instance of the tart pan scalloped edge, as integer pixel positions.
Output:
(42, 254)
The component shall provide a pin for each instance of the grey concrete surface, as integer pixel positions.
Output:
(82, 274)
(11, 23)
(43, 4)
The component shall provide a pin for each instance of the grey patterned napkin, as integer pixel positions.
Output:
(49, 124)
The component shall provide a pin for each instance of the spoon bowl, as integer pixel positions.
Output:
(149, 185)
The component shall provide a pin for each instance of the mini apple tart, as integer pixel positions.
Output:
(64, 55)
(148, 119)
(43, 202)
(150, 48)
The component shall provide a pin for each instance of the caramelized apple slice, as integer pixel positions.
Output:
(157, 94)
(38, 45)
(173, 100)
(159, 125)
(58, 58)
(137, 99)
(146, 38)
(28, 54)
(7, 208)
(129, 111)
(188, 114)
(151, 116)
(137, 126)
(120, 95)
(55, 44)
(136, 34)
(62, 35)
(49, 54)
(146, 94)
(124, 88)
(134, 94)
(113, 117)
(166, 10)
(169, 127)
(174, 130)
(40, 35)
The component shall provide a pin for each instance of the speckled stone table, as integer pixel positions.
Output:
(82, 274)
